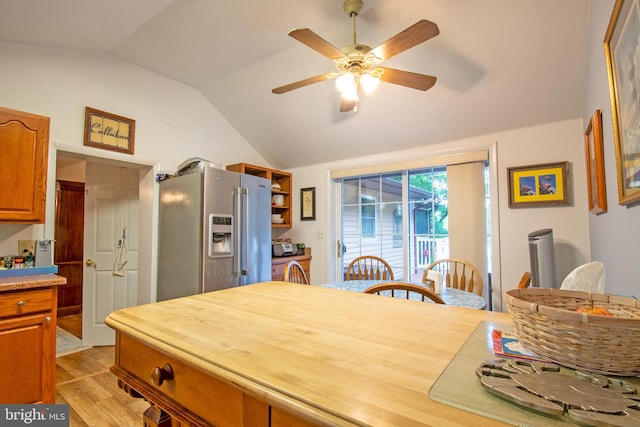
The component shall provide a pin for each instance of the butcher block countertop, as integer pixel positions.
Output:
(30, 282)
(324, 356)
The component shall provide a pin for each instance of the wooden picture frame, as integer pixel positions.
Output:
(622, 53)
(108, 131)
(594, 151)
(308, 204)
(539, 185)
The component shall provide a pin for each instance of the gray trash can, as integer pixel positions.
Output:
(542, 259)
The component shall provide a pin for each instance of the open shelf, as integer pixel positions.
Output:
(282, 178)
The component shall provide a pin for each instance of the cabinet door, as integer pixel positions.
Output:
(27, 345)
(24, 152)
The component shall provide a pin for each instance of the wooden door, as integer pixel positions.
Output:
(69, 238)
(24, 148)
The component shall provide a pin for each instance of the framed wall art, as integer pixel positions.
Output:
(593, 148)
(622, 53)
(538, 185)
(308, 204)
(108, 131)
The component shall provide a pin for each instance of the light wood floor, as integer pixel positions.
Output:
(84, 382)
(72, 324)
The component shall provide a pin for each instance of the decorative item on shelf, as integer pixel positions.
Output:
(277, 200)
(108, 131)
(276, 186)
(276, 219)
(281, 240)
(300, 248)
(621, 48)
(308, 204)
(594, 151)
(538, 185)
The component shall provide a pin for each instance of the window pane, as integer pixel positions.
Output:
(427, 209)
(350, 191)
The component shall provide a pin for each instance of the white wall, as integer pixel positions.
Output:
(173, 122)
(553, 142)
(615, 235)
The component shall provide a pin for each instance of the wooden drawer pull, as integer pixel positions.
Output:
(160, 375)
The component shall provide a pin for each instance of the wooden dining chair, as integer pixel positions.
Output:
(294, 273)
(525, 280)
(406, 289)
(457, 273)
(369, 267)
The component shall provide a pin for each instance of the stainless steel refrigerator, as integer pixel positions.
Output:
(214, 232)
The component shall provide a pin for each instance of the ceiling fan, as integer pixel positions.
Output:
(358, 64)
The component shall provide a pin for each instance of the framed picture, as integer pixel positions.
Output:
(108, 131)
(593, 148)
(622, 52)
(308, 204)
(538, 185)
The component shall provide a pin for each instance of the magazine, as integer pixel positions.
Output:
(506, 344)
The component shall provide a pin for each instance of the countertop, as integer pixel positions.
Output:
(29, 282)
(333, 356)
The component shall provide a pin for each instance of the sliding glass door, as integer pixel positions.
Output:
(398, 216)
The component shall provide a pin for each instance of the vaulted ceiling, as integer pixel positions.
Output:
(500, 64)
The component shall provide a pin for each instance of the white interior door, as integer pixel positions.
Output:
(111, 212)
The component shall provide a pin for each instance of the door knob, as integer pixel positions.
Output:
(91, 263)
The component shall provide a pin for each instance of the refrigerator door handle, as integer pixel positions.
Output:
(245, 222)
(238, 232)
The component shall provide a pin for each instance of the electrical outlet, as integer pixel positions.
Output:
(320, 234)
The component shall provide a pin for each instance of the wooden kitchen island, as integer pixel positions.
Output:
(280, 354)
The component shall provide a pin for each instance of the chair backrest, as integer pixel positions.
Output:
(369, 267)
(294, 273)
(457, 273)
(406, 290)
(525, 280)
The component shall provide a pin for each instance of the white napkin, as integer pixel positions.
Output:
(436, 276)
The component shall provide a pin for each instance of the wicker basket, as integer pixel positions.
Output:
(547, 324)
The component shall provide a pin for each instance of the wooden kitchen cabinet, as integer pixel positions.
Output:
(24, 144)
(28, 338)
(278, 264)
(283, 179)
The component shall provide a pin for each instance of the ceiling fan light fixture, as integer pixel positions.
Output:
(369, 82)
(350, 94)
(347, 83)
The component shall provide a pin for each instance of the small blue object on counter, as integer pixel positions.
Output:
(15, 272)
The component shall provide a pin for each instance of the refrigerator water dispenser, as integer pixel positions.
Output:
(220, 236)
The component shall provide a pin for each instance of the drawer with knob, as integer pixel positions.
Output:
(17, 303)
(183, 384)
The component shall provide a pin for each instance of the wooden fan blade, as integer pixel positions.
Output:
(317, 43)
(407, 78)
(302, 83)
(417, 33)
(347, 104)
